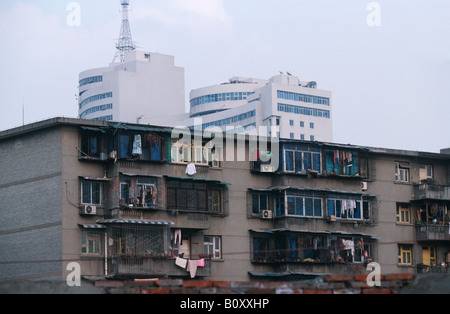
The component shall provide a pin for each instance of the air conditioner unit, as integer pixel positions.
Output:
(364, 186)
(267, 168)
(89, 210)
(266, 214)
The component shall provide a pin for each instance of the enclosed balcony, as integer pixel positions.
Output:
(431, 191)
(180, 219)
(154, 266)
(427, 232)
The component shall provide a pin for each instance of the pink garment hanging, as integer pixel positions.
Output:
(201, 263)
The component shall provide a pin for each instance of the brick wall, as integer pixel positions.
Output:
(333, 284)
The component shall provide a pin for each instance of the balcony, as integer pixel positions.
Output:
(158, 267)
(324, 268)
(181, 219)
(428, 232)
(431, 191)
(426, 269)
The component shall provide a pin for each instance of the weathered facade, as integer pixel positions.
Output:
(124, 201)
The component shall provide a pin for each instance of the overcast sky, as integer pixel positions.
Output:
(387, 65)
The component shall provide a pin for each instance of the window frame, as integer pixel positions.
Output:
(91, 145)
(401, 172)
(301, 167)
(258, 206)
(428, 168)
(304, 211)
(207, 198)
(91, 192)
(88, 237)
(140, 187)
(359, 206)
(403, 214)
(189, 154)
(213, 248)
(405, 252)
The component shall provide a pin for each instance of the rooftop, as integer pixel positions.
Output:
(59, 121)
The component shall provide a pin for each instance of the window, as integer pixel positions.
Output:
(303, 98)
(259, 203)
(292, 136)
(304, 206)
(152, 147)
(142, 146)
(150, 241)
(405, 255)
(191, 196)
(311, 125)
(91, 80)
(312, 138)
(261, 249)
(425, 172)
(351, 249)
(304, 111)
(91, 243)
(401, 172)
(302, 137)
(214, 201)
(95, 98)
(138, 191)
(302, 159)
(348, 208)
(212, 246)
(343, 162)
(125, 193)
(125, 146)
(95, 109)
(278, 121)
(298, 247)
(291, 122)
(90, 145)
(146, 195)
(183, 152)
(220, 97)
(302, 124)
(403, 214)
(104, 118)
(90, 192)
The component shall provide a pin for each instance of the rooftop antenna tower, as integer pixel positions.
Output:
(125, 43)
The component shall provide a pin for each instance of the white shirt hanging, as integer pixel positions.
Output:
(190, 169)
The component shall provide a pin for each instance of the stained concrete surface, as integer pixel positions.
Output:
(429, 284)
(422, 284)
(47, 287)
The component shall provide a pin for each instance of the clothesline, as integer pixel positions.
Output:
(190, 265)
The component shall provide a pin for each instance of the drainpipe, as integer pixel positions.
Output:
(106, 253)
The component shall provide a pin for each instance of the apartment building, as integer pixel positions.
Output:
(138, 201)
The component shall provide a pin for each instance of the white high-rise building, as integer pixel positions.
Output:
(298, 108)
(146, 85)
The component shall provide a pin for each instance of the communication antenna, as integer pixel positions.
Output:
(125, 43)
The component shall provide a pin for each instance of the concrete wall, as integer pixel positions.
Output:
(30, 205)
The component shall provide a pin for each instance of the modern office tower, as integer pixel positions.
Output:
(299, 109)
(144, 85)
